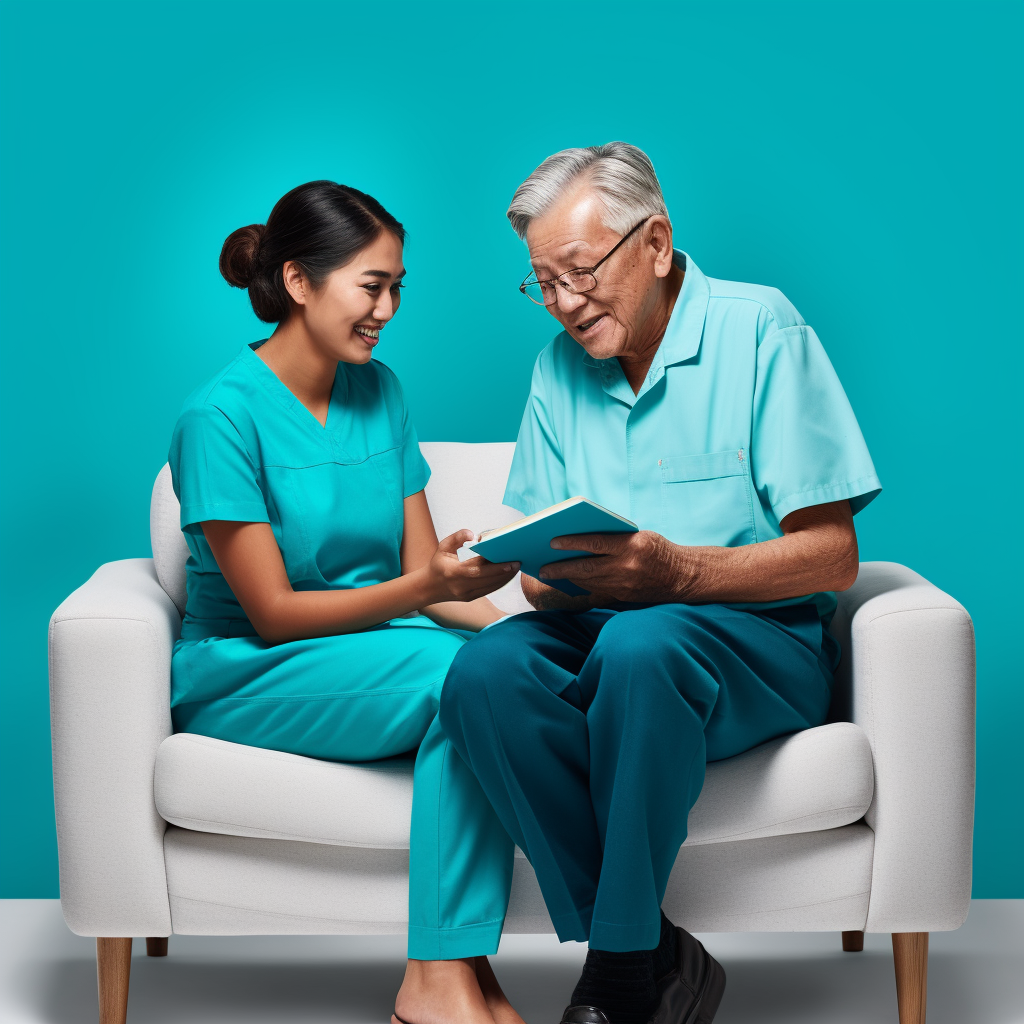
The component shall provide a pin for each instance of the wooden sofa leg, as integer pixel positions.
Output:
(113, 966)
(157, 946)
(853, 942)
(910, 957)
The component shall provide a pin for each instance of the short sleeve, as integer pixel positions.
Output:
(537, 478)
(213, 474)
(415, 470)
(807, 447)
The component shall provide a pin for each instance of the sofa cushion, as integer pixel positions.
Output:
(818, 779)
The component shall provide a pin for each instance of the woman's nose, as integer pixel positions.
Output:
(385, 308)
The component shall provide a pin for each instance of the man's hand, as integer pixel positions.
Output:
(818, 551)
(632, 567)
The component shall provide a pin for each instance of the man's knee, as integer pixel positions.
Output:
(642, 635)
(664, 644)
(481, 668)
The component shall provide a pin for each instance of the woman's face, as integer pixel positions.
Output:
(346, 314)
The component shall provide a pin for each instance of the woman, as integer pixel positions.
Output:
(301, 489)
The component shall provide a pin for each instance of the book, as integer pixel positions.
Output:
(528, 540)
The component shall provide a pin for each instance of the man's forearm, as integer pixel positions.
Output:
(817, 552)
(820, 553)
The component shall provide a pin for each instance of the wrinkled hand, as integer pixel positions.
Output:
(640, 567)
(452, 580)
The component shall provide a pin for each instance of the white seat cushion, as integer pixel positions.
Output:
(810, 781)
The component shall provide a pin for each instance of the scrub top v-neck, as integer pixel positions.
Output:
(246, 449)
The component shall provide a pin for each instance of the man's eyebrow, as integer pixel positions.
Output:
(575, 248)
(567, 256)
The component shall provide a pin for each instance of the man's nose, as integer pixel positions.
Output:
(568, 301)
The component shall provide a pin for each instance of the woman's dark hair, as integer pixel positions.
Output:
(320, 226)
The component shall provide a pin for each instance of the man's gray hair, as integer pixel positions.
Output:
(621, 175)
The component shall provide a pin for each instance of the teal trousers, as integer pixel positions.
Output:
(590, 731)
(362, 697)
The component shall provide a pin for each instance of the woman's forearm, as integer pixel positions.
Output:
(471, 615)
(302, 614)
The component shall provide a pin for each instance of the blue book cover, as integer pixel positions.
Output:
(528, 541)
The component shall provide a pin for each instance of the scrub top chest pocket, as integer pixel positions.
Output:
(707, 499)
(339, 524)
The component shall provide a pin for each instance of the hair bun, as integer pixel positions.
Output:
(239, 258)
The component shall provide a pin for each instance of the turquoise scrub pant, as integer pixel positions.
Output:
(361, 697)
(589, 733)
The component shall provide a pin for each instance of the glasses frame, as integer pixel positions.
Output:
(592, 271)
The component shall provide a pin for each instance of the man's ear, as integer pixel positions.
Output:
(295, 282)
(659, 237)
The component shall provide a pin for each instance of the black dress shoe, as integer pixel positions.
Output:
(691, 991)
(583, 1015)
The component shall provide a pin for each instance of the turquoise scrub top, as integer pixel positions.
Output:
(246, 449)
(741, 420)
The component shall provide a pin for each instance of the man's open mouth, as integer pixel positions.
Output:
(582, 328)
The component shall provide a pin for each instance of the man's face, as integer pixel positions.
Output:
(609, 320)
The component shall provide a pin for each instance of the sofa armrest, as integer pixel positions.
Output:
(110, 661)
(908, 680)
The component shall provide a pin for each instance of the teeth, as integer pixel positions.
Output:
(368, 332)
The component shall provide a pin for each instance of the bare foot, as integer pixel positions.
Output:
(501, 1009)
(442, 992)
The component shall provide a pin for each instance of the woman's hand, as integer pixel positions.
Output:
(452, 580)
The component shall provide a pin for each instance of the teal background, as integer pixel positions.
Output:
(865, 158)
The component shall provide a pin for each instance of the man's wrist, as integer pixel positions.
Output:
(688, 572)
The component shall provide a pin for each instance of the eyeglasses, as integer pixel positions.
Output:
(582, 279)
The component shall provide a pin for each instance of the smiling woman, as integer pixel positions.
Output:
(310, 541)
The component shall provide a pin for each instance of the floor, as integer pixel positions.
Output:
(47, 975)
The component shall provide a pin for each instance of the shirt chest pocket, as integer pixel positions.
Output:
(707, 499)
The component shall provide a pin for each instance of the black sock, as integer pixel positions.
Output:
(621, 984)
(665, 954)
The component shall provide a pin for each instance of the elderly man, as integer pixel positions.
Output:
(708, 413)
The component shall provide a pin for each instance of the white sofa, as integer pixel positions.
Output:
(863, 824)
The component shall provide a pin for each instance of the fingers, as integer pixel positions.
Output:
(598, 543)
(452, 543)
(481, 568)
(570, 569)
(481, 586)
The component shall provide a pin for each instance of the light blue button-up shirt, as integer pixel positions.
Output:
(741, 420)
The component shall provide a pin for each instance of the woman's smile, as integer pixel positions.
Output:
(371, 335)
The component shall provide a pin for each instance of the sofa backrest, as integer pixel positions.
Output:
(466, 486)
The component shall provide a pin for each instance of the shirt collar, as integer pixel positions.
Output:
(685, 325)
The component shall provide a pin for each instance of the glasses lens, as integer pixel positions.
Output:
(579, 281)
(542, 294)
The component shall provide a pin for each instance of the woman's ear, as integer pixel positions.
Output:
(295, 282)
(659, 233)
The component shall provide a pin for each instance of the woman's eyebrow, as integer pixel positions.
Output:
(384, 273)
